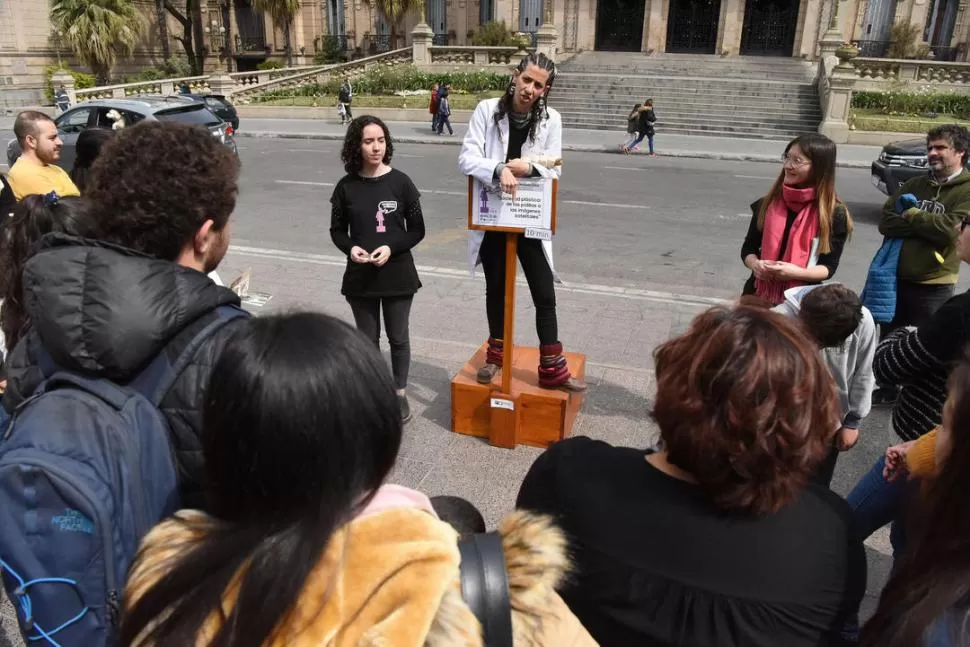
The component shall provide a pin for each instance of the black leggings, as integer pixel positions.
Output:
(397, 313)
(537, 273)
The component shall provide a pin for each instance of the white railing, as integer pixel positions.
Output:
(195, 83)
(883, 73)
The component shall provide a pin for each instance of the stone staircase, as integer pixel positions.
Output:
(754, 97)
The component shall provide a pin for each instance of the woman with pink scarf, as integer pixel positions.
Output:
(798, 230)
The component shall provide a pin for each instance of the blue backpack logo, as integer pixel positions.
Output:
(86, 470)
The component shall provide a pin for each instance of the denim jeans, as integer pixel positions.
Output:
(876, 502)
(639, 138)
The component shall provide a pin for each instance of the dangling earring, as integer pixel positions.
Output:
(542, 104)
(511, 89)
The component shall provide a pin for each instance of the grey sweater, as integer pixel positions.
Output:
(850, 364)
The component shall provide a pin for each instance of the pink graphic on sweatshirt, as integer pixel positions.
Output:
(380, 222)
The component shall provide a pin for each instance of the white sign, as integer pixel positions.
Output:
(499, 403)
(540, 234)
(531, 208)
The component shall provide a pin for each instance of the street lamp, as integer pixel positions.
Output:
(216, 34)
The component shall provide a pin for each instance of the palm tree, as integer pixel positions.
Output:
(98, 31)
(282, 12)
(395, 10)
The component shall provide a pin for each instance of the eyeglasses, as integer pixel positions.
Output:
(787, 160)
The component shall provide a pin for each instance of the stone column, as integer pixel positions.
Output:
(832, 38)
(835, 124)
(421, 39)
(63, 77)
(221, 83)
(547, 35)
(729, 29)
(654, 27)
(231, 34)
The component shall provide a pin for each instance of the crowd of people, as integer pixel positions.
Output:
(272, 520)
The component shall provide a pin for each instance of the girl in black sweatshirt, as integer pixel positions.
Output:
(376, 220)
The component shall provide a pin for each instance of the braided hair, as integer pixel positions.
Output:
(539, 111)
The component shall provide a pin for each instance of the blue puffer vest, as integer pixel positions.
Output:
(879, 294)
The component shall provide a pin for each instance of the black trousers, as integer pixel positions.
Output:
(826, 469)
(397, 315)
(537, 273)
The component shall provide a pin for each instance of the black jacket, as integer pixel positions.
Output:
(107, 311)
(7, 201)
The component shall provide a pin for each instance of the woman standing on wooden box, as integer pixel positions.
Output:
(376, 219)
(513, 137)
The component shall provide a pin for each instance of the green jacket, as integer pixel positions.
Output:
(929, 227)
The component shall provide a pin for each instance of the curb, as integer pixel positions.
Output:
(584, 148)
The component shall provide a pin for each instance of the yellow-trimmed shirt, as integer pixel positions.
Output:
(29, 178)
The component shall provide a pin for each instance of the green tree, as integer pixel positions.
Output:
(395, 10)
(282, 12)
(98, 31)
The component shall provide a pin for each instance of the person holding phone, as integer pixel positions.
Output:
(376, 219)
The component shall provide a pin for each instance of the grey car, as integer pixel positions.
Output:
(94, 114)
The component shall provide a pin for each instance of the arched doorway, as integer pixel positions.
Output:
(692, 26)
(619, 25)
(438, 20)
(530, 16)
(769, 27)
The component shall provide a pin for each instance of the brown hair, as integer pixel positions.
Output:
(26, 124)
(746, 406)
(820, 151)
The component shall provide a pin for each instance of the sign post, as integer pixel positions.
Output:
(533, 213)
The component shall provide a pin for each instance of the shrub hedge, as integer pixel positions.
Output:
(913, 103)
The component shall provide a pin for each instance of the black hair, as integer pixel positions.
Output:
(32, 218)
(958, 136)
(830, 314)
(539, 111)
(350, 154)
(87, 150)
(301, 427)
(156, 183)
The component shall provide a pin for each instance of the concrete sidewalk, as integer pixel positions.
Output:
(574, 139)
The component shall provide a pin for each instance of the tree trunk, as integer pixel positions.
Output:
(198, 36)
(288, 44)
(162, 18)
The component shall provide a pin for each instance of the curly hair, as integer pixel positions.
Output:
(32, 218)
(745, 405)
(156, 183)
(830, 314)
(958, 136)
(87, 149)
(350, 154)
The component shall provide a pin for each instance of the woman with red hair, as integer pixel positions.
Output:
(719, 538)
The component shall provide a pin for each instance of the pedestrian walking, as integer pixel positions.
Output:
(61, 99)
(444, 109)
(632, 126)
(646, 117)
(433, 106)
(376, 220)
(797, 231)
(928, 265)
(345, 96)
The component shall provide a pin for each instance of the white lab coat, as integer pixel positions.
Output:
(485, 147)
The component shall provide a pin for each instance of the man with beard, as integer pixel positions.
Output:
(928, 262)
(34, 171)
(162, 194)
(518, 136)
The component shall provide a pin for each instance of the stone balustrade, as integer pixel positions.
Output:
(479, 56)
(883, 74)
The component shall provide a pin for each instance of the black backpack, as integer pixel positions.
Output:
(485, 586)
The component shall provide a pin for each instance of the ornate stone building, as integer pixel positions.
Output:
(240, 38)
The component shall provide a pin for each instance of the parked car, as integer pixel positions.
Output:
(898, 162)
(94, 114)
(220, 106)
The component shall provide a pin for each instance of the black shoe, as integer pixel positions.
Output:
(487, 372)
(402, 400)
(885, 395)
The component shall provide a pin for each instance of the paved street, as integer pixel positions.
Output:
(643, 245)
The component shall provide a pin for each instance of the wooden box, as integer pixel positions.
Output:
(544, 415)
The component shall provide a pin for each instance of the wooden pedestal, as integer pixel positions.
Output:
(543, 416)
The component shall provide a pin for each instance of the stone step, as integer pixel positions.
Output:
(613, 107)
(709, 130)
(639, 85)
(726, 74)
(686, 93)
(672, 79)
(682, 119)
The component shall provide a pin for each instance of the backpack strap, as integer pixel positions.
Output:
(485, 586)
(158, 377)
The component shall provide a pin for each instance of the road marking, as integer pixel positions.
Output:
(407, 155)
(463, 194)
(625, 168)
(303, 150)
(461, 274)
(756, 177)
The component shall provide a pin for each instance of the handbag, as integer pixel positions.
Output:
(485, 586)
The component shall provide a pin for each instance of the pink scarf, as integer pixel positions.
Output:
(803, 231)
